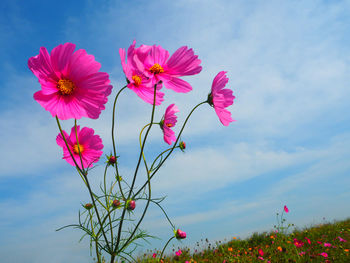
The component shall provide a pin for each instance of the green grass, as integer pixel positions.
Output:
(329, 242)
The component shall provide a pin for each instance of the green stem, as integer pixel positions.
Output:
(177, 139)
(107, 204)
(113, 140)
(161, 255)
(135, 174)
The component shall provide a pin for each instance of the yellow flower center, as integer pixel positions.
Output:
(66, 86)
(137, 80)
(156, 69)
(169, 125)
(76, 148)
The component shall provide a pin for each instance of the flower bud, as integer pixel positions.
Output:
(88, 206)
(116, 203)
(112, 159)
(179, 234)
(182, 145)
(131, 205)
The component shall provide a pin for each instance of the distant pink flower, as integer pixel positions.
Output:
(261, 258)
(221, 98)
(154, 255)
(178, 253)
(324, 254)
(341, 239)
(302, 253)
(298, 243)
(155, 63)
(168, 122)
(179, 234)
(327, 244)
(71, 86)
(261, 252)
(308, 240)
(90, 146)
(137, 81)
(286, 209)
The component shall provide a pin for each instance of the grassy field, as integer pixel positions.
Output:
(327, 242)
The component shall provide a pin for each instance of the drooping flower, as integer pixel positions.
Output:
(179, 234)
(168, 122)
(155, 63)
(137, 80)
(90, 146)
(221, 98)
(71, 84)
(286, 209)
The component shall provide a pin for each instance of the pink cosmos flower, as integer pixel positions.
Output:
(341, 239)
(179, 234)
(154, 255)
(90, 146)
(71, 86)
(137, 81)
(168, 122)
(324, 254)
(178, 253)
(261, 252)
(286, 209)
(155, 63)
(261, 258)
(308, 240)
(298, 243)
(221, 98)
(327, 244)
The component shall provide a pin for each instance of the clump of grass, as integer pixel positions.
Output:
(326, 242)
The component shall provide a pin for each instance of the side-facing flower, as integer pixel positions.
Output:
(137, 81)
(90, 146)
(286, 209)
(155, 63)
(179, 234)
(169, 121)
(71, 84)
(221, 98)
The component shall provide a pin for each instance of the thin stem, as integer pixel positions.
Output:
(107, 204)
(96, 239)
(113, 140)
(161, 255)
(96, 210)
(177, 139)
(135, 174)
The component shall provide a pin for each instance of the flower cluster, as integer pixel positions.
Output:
(73, 87)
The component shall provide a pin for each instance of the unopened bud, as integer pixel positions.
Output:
(112, 159)
(131, 205)
(88, 206)
(179, 234)
(182, 146)
(116, 203)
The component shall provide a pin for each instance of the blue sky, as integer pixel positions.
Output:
(288, 65)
